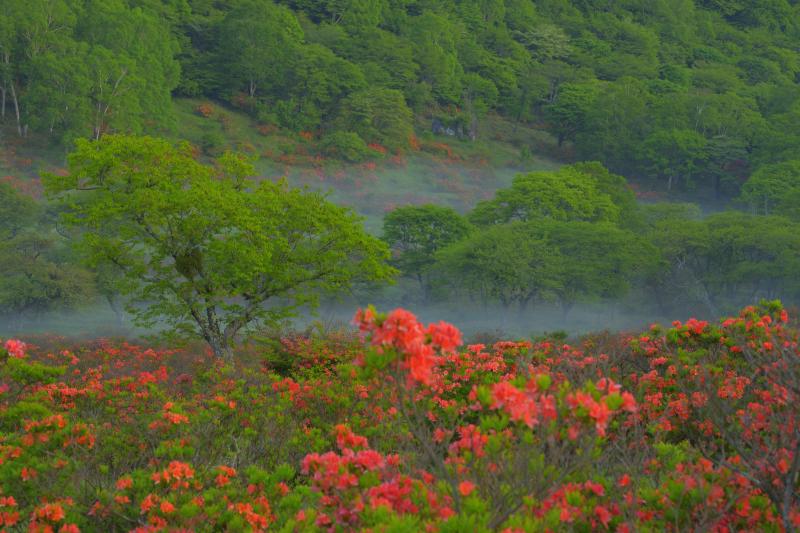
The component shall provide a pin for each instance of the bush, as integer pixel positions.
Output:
(212, 143)
(345, 145)
(205, 110)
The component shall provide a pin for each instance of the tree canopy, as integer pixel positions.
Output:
(582, 192)
(416, 233)
(201, 247)
(687, 92)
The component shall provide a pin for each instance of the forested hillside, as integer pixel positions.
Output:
(694, 93)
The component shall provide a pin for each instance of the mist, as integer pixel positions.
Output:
(478, 323)
(373, 191)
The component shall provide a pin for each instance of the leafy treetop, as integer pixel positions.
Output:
(202, 247)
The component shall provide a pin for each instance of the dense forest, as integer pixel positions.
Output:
(696, 93)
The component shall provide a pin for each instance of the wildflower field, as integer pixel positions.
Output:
(400, 427)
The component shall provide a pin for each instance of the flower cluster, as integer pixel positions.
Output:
(694, 426)
(417, 344)
(355, 480)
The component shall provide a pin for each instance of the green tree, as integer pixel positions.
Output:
(753, 257)
(675, 211)
(546, 42)
(725, 261)
(34, 279)
(504, 262)
(616, 124)
(598, 260)
(378, 116)
(345, 145)
(415, 235)
(567, 113)
(569, 193)
(316, 84)
(132, 67)
(435, 37)
(480, 94)
(59, 85)
(35, 276)
(204, 249)
(28, 30)
(17, 212)
(673, 154)
(772, 188)
(546, 260)
(256, 44)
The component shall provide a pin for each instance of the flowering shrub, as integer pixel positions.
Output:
(404, 429)
(205, 109)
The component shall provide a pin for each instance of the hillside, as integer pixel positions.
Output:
(689, 95)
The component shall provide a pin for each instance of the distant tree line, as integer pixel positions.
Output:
(145, 225)
(578, 235)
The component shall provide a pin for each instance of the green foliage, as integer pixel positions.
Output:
(773, 189)
(568, 112)
(17, 212)
(691, 92)
(416, 233)
(346, 145)
(674, 154)
(29, 372)
(378, 116)
(73, 69)
(729, 256)
(546, 260)
(257, 41)
(36, 273)
(201, 247)
(504, 263)
(577, 192)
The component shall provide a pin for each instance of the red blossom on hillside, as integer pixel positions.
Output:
(416, 344)
(15, 348)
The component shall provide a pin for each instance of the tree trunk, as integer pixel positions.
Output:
(423, 287)
(473, 127)
(221, 347)
(16, 108)
(3, 103)
(118, 312)
(523, 304)
(566, 307)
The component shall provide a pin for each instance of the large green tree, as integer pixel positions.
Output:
(598, 260)
(546, 260)
(575, 192)
(36, 275)
(378, 115)
(773, 188)
(416, 233)
(503, 263)
(203, 249)
(257, 43)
